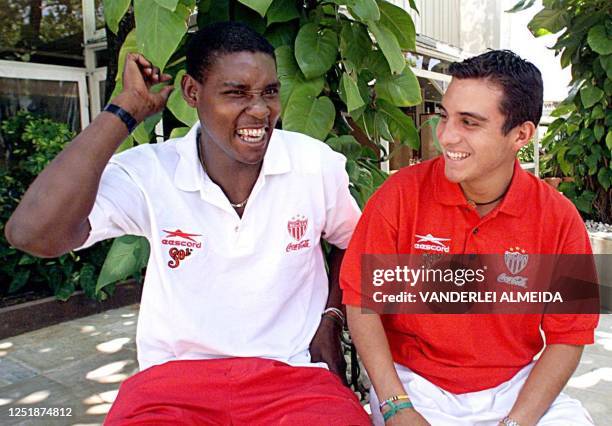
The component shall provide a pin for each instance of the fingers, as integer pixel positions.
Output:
(165, 93)
(150, 73)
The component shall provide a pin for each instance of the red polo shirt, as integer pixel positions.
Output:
(467, 353)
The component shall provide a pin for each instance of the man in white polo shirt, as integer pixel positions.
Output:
(235, 292)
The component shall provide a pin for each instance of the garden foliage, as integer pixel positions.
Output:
(30, 142)
(579, 142)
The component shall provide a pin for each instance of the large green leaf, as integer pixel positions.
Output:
(292, 78)
(250, 17)
(129, 46)
(604, 176)
(377, 63)
(389, 46)
(599, 41)
(178, 106)
(584, 202)
(207, 14)
(606, 63)
(400, 23)
(609, 140)
(142, 133)
(126, 257)
(351, 92)
(309, 115)
(401, 126)
(365, 10)
(355, 43)
(282, 11)
(126, 144)
(158, 30)
(168, 4)
(346, 145)
(114, 11)
(260, 6)
(315, 51)
(401, 90)
(179, 132)
(282, 34)
(590, 95)
(549, 20)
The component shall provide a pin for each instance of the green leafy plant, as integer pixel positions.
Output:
(578, 143)
(341, 64)
(525, 154)
(30, 142)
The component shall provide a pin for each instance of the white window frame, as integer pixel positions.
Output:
(33, 71)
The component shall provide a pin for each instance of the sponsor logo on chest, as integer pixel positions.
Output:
(431, 243)
(182, 245)
(297, 227)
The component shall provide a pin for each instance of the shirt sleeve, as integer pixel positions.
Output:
(575, 260)
(342, 212)
(375, 234)
(119, 209)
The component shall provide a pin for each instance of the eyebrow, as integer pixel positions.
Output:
(236, 85)
(468, 114)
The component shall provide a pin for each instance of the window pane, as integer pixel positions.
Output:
(42, 31)
(58, 100)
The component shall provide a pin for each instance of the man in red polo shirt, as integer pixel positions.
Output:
(475, 198)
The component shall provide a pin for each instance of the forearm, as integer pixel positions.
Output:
(371, 342)
(334, 261)
(545, 382)
(51, 218)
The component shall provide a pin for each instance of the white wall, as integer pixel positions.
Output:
(516, 37)
(471, 25)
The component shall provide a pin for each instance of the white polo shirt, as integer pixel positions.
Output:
(218, 285)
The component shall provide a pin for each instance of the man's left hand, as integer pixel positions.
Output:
(326, 347)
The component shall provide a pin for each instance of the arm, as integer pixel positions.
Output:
(544, 383)
(326, 344)
(51, 218)
(371, 341)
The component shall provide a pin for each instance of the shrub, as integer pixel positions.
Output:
(30, 142)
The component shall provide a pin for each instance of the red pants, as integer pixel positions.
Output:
(235, 391)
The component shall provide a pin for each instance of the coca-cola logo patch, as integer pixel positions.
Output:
(297, 227)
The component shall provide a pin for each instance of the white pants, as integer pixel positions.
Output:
(482, 408)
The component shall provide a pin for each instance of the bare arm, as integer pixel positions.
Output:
(326, 344)
(371, 341)
(547, 379)
(51, 218)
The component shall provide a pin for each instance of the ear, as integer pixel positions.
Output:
(190, 88)
(523, 135)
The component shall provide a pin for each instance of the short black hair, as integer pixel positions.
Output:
(221, 38)
(520, 81)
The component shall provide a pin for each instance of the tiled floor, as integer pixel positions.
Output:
(78, 365)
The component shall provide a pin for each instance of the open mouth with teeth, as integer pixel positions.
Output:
(457, 156)
(252, 135)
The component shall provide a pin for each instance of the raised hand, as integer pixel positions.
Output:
(139, 75)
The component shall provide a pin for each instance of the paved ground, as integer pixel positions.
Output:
(78, 366)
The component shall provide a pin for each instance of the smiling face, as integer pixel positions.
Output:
(238, 106)
(476, 152)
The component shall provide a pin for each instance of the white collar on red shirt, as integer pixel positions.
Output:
(189, 175)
